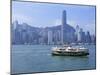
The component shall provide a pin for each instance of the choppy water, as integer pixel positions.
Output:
(38, 58)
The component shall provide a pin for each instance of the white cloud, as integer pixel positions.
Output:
(89, 27)
(57, 22)
(22, 18)
(72, 23)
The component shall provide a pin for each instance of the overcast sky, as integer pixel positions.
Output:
(44, 14)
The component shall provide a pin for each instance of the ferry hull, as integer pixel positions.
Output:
(70, 53)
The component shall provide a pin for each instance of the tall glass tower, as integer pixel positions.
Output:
(67, 31)
(64, 17)
(62, 27)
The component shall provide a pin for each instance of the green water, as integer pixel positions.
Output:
(38, 58)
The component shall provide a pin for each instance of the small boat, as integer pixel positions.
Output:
(70, 51)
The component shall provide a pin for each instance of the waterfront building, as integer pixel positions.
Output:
(50, 36)
(78, 37)
(14, 25)
(81, 35)
(93, 39)
(88, 37)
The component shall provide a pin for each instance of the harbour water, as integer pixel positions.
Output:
(38, 58)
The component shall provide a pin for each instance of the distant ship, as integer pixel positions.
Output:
(70, 51)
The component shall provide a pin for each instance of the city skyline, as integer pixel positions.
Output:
(47, 15)
(62, 34)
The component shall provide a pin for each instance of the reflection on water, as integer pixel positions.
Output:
(38, 58)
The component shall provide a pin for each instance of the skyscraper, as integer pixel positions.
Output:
(63, 23)
(67, 31)
(15, 24)
(81, 35)
(64, 18)
(78, 37)
(50, 37)
(88, 37)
